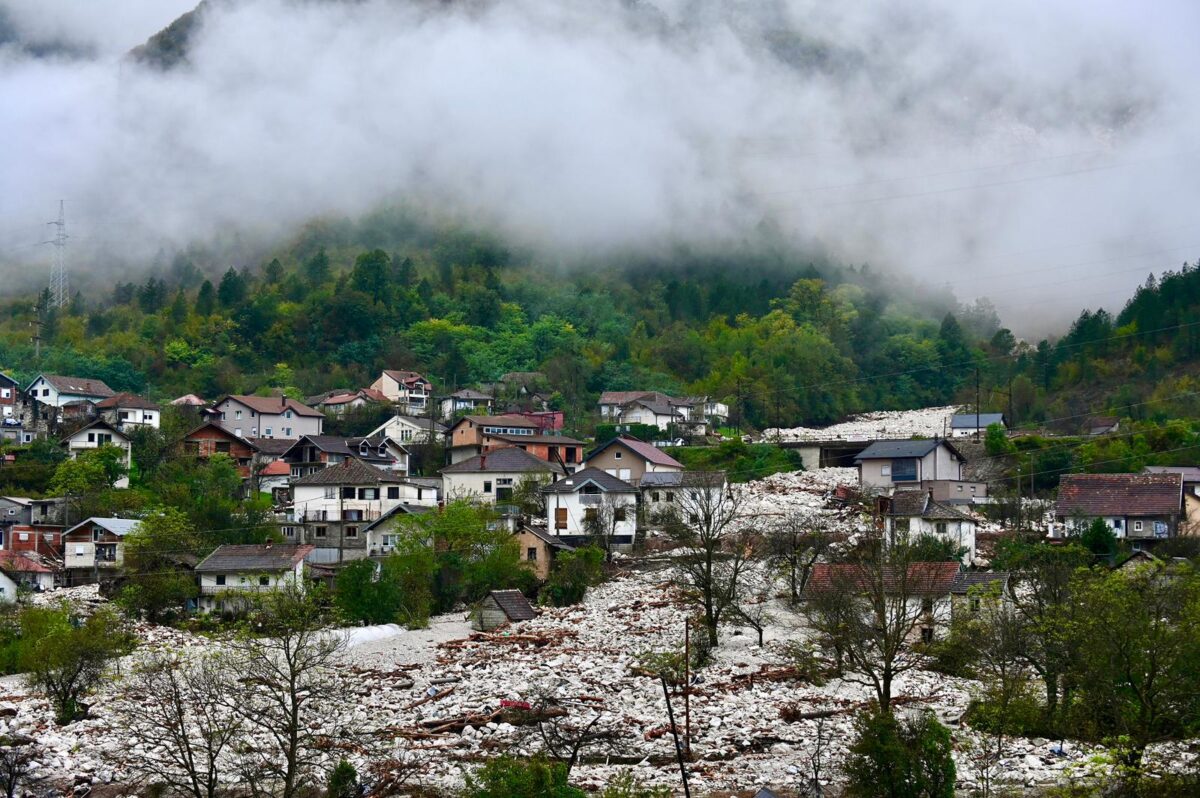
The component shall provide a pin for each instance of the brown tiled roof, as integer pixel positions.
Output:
(514, 604)
(404, 377)
(923, 578)
(270, 446)
(350, 471)
(503, 420)
(127, 400)
(84, 386)
(18, 562)
(254, 557)
(273, 405)
(507, 460)
(645, 450)
(918, 503)
(1092, 495)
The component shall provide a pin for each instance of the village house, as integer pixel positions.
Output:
(1189, 523)
(1141, 508)
(629, 459)
(233, 572)
(661, 490)
(407, 389)
(331, 507)
(500, 607)
(410, 429)
(954, 491)
(924, 586)
(538, 549)
(127, 410)
(383, 534)
(314, 452)
(591, 502)
(465, 401)
(56, 390)
(909, 514)
(492, 477)
(972, 425)
(94, 548)
(651, 408)
(972, 588)
(95, 435)
(268, 417)
(275, 478)
(10, 390)
(14, 510)
(25, 571)
(470, 436)
(888, 464)
(339, 402)
(209, 439)
(19, 533)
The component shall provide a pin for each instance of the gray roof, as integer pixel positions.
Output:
(514, 604)
(272, 445)
(254, 557)
(918, 503)
(118, 526)
(969, 420)
(350, 471)
(399, 509)
(682, 479)
(467, 393)
(887, 450)
(507, 460)
(1189, 473)
(602, 479)
(968, 579)
(334, 444)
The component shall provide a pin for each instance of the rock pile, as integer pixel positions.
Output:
(924, 423)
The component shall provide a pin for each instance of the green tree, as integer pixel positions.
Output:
(206, 299)
(231, 293)
(65, 658)
(370, 274)
(316, 268)
(273, 272)
(364, 595)
(157, 553)
(509, 777)
(572, 574)
(900, 759)
(996, 441)
(84, 480)
(1100, 540)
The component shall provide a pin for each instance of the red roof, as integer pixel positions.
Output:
(1095, 495)
(15, 561)
(923, 578)
(276, 468)
(648, 452)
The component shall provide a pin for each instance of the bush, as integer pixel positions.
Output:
(343, 781)
(509, 777)
(626, 786)
(1024, 716)
(804, 658)
(893, 759)
(955, 654)
(572, 574)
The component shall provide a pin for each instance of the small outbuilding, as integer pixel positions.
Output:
(500, 607)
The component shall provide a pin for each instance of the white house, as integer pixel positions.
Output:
(126, 410)
(408, 389)
(465, 400)
(23, 570)
(491, 477)
(906, 463)
(968, 425)
(314, 452)
(383, 533)
(94, 545)
(234, 571)
(913, 513)
(660, 490)
(409, 429)
(332, 507)
(574, 502)
(95, 435)
(268, 417)
(56, 390)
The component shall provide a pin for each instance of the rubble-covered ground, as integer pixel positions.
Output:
(925, 423)
(586, 657)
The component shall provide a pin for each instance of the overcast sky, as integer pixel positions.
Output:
(1041, 154)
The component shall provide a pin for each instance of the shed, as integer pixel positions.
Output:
(500, 607)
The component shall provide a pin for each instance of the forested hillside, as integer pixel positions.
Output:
(786, 341)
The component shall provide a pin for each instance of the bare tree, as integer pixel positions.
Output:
(753, 605)
(17, 754)
(173, 712)
(293, 698)
(794, 544)
(603, 520)
(708, 525)
(870, 608)
(567, 726)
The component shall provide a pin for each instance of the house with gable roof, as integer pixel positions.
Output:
(126, 410)
(629, 459)
(314, 452)
(408, 389)
(57, 390)
(267, 417)
(493, 476)
(574, 502)
(968, 425)
(465, 399)
(94, 547)
(233, 572)
(905, 463)
(909, 514)
(1142, 508)
(93, 436)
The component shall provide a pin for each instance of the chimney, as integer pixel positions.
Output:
(483, 461)
(282, 401)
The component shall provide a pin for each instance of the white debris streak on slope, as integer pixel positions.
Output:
(925, 423)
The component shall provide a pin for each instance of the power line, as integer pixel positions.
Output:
(59, 292)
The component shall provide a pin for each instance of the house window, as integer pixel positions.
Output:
(124, 414)
(288, 414)
(351, 531)
(560, 517)
(487, 486)
(265, 581)
(348, 492)
(616, 455)
(220, 579)
(45, 392)
(940, 527)
(6, 393)
(96, 533)
(974, 603)
(1137, 526)
(959, 488)
(368, 493)
(926, 634)
(901, 524)
(618, 513)
(406, 435)
(223, 447)
(289, 531)
(885, 470)
(393, 492)
(531, 554)
(904, 470)
(589, 514)
(237, 414)
(254, 432)
(91, 437)
(148, 418)
(287, 432)
(238, 432)
(319, 532)
(268, 433)
(927, 604)
(654, 496)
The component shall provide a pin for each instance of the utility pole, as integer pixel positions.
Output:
(977, 400)
(59, 287)
(39, 308)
